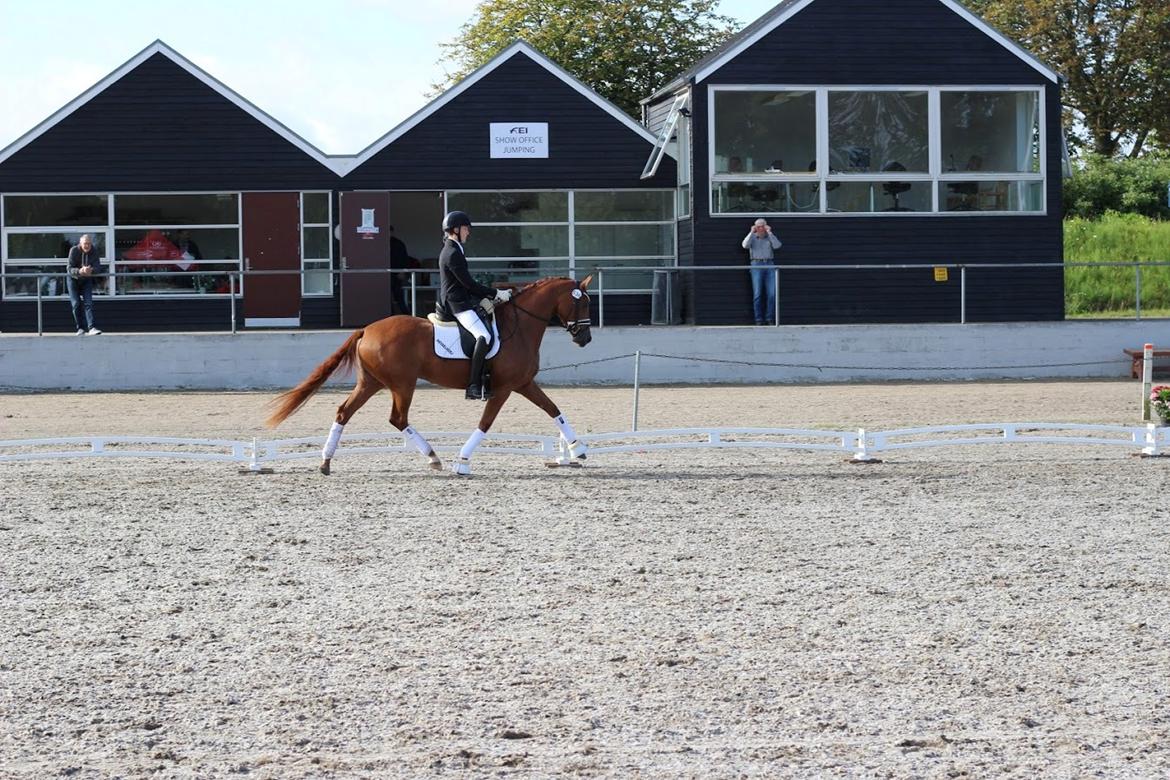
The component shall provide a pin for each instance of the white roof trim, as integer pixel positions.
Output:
(958, 8)
(519, 47)
(158, 47)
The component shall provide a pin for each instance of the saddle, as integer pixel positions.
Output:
(455, 342)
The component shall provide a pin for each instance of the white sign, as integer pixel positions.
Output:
(368, 229)
(518, 139)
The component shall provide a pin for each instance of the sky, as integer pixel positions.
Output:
(340, 73)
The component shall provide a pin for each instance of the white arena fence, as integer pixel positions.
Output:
(860, 445)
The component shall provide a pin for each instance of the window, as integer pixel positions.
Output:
(985, 136)
(517, 236)
(665, 136)
(316, 243)
(624, 228)
(683, 209)
(876, 150)
(39, 230)
(522, 236)
(197, 233)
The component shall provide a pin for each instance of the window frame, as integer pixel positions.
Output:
(572, 262)
(934, 177)
(329, 229)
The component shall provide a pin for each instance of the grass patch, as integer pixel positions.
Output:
(1103, 291)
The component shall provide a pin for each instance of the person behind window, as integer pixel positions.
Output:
(762, 244)
(399, 259)
(460, 294)
(190, 254)
(83, 265)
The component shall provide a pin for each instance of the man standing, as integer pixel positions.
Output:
(762, 244)
(84, 264)
(399, 260)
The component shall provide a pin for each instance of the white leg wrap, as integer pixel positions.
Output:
(331, 442)
(472, 442)
(566, 429)
(419, 442)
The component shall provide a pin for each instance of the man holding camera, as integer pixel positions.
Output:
(762, 244)
(84, 264)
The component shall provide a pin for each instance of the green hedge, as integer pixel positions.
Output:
(1136, 186)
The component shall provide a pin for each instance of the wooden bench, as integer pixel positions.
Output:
(1138, 356)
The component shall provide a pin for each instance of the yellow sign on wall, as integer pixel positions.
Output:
(940, 274)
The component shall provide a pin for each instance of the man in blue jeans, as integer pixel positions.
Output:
(85, 262)
(761, 245)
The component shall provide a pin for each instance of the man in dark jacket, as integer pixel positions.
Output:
(460, 294)
(85, 262)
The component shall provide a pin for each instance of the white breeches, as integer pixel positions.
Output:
(470, 320)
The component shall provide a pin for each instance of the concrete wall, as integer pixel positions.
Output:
(842, 353)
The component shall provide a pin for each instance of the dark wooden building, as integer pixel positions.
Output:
(172, 173)
(903, 132)
(907, 132)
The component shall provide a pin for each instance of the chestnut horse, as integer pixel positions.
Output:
(398, 351)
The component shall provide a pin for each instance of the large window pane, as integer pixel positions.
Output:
(628, 240)
(518, 241)
(765, 132)
(43, 246)
(490, 272)
(623, 206)
(176, 246)
(624, 280)
(511, 206)
(991, 196)
(315, 208)
(995, 132)
(52, 283)
(176, 209)
(318, 279)
(730, 197)
(316, 243)
(55, 210)
(878, 131)
(887, 196)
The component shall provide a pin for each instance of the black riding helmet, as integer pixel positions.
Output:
(455, 220)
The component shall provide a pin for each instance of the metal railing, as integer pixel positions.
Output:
(236, 280)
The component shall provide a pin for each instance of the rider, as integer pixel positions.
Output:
(459, 294)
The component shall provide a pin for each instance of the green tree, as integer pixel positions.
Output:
(623, 49)
(1116, 57)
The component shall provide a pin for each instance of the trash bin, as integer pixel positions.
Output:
(666, 299)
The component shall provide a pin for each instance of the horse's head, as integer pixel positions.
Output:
(572, 309)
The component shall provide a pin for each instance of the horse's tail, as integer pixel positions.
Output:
(288, 402)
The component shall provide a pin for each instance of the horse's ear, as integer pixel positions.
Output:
(585, 282)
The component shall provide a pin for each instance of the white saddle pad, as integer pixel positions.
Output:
(447, 344)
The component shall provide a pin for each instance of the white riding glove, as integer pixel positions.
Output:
(487, 304)
(503, 296)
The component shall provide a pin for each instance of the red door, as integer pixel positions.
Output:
(365, 244)
(272, 242)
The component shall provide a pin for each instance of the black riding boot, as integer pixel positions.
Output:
(475, 387)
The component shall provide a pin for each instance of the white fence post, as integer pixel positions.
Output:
(637, 375)
(1147, 379)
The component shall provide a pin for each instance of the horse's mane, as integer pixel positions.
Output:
(542, 282)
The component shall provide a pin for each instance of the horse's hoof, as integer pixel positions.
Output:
(324, 468)
(461, 468)
(577, 449)
(436, 465)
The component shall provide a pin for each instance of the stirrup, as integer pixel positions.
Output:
(476, 393)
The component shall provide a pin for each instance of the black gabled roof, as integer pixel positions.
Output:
(780, 12)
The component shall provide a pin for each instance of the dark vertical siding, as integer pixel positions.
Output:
(160, 128)
(657, 113)
(588, 148)
(916, 42)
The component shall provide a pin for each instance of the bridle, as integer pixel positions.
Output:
(573, 326)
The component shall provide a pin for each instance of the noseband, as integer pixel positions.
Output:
(578, 323)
